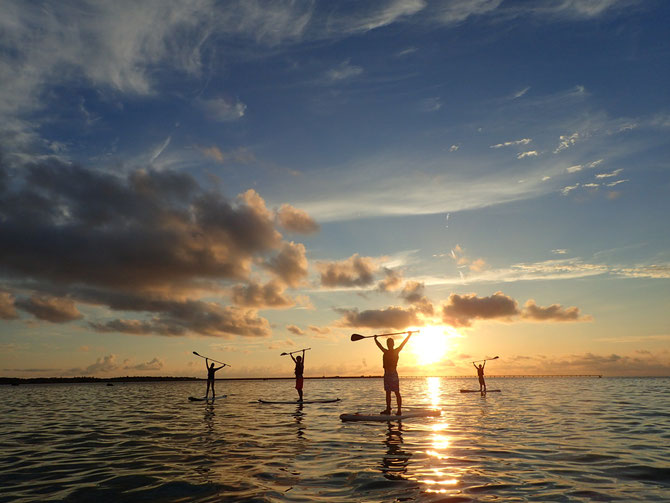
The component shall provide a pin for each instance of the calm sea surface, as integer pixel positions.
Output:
(541, 439)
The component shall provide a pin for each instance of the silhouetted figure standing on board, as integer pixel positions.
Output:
(480, 374)
(210, 377)
(299, 369)
(391, 379)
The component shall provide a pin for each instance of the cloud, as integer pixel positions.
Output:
(392, 280)
(530, 153)
(614, 184)
(413, 293)
(53, 309)
(457, 254)
(520, 93)
(343, 71)
(354, 271)
(523, 141)
(239, 155)
(174, 318)
(554, 312)
(296, 220)
(566, 142)
(430, 104)
(395, 318)
(462, 310)
(102, 365)
(609, 175)
(319, 330)
(290, 264)
(223, 110)
(155, 364)
(295, 330)
(255, 295)
(7, 307)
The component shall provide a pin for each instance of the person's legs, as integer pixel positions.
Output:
(398, 399)
(207, 392)
(388, 403)
(213, 395)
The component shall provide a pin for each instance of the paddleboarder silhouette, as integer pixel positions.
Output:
(391, 379)
(480, 374)
(299, 368)
(211, 369)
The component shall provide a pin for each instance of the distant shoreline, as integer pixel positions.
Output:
(83, 379)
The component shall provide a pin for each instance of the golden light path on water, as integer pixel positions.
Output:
(442, 474)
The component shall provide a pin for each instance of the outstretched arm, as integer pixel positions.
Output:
(484, 365)
(379, 345)
(473, 364)
(303, 356)
(207, 363)
(292, 357)
(219, 368)
(405, 341)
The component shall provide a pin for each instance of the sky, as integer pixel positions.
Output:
(247, 178)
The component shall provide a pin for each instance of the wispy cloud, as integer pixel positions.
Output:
(343, 71)
(523, 141)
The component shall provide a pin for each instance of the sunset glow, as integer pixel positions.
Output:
(431, 344)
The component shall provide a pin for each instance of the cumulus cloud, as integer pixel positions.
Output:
(7, 307)
(102, 365)
(354, 271)
(392, 280)
(53, 309)
(554, 312)
(462, 310)
(296, 220)
(396, 318)
(174, 318)
(295, 330)
(155, 364)
(290, 264)
(256, 295)
(413, 293)
(146, 242)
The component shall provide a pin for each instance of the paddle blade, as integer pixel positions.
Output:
(196, 353)
(357, 337)
(283, 354)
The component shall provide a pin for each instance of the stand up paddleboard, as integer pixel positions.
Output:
(477, 391)
(390, 417)
(203, 399)
(298, 402)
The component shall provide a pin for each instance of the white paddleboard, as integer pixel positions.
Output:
(389, 417)
(202, 398)
(298, 402)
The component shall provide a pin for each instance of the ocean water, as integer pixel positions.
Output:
(541, 439)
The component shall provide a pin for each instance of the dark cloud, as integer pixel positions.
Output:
(554, 312)
(391, 317)
(259, 296)
(392, 280)
(295, 330)
(53, 309)
(461, 310)
(296, 220)
(155, 364)
(412, 293)
(149, 242)
(354, 271)
(290, 264)
(204, 318)
(7, 307)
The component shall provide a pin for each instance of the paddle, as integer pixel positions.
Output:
(486, 359)
(300, 350)
(217, 361)
(358, 337)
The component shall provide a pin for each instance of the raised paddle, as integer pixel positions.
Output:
(358, 337)
(486, 359)
(217, 361)
(300, 350)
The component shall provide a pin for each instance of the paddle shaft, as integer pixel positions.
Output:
(486, 359)
(292, 352)
(358, 337)
(206, 358)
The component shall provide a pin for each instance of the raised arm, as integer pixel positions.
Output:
(473, 364)
(291, 355)
(484, 365)
(207, 363)
(405, 341)
(379, 345)
(219, 368)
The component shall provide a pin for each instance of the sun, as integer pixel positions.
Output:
(431, 344)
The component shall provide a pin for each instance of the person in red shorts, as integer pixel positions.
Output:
(391, 380)
(299, 368)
